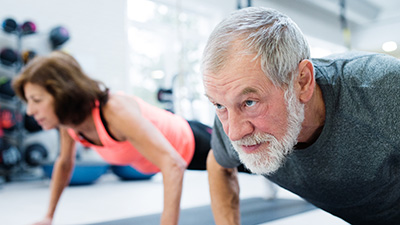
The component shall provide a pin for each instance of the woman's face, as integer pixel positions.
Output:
(40, 105)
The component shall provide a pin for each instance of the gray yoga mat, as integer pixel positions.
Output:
(253, 211)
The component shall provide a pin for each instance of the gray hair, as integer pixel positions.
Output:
(271, 35)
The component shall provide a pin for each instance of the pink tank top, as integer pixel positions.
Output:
(176, 130)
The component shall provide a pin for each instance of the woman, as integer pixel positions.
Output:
(123, 129)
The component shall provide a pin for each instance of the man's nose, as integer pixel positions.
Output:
(237, 126)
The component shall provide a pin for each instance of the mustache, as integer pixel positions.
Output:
(254, 139)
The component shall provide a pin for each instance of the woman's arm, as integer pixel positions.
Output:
(126, 121)
(62, 170)
(158, 150)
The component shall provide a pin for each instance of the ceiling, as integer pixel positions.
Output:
(371, 22)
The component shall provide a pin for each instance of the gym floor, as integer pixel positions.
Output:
(23, 202)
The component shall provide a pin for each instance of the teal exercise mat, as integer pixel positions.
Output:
(253, 211)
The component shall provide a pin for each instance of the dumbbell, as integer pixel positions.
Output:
(28, 27)
(9, 25)
(31, 124)
(9, 156)
(5, 88)
(8, 56)
(28, 56)
(7, 119)
(58, 36)
(35, 154)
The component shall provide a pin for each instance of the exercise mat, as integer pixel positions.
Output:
(253, 211)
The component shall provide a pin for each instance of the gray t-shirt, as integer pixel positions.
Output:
(353, 168)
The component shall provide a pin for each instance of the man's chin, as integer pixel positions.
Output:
(261, 165)
(266, 170)
(265, 158)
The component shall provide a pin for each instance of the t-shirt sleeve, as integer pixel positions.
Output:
(224, 152)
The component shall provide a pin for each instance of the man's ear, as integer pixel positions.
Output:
(305, 80)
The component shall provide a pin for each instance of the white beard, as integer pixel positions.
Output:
(267, 161)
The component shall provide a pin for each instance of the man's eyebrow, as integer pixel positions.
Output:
(208, 97)
(248, 90)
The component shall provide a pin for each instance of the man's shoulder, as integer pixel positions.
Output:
(358, 68)
(357, 58)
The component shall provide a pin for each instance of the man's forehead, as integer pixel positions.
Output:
(240, 92)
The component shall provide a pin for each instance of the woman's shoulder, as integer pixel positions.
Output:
(119, 104)
(120, 112)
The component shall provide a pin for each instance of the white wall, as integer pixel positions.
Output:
(97, 29)
(379, 33)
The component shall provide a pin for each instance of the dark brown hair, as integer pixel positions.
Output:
(61, 75)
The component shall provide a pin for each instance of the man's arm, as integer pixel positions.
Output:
(224, 191)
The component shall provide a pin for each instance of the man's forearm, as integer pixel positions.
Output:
(224, 191)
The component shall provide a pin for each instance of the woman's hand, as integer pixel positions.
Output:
(44, 221)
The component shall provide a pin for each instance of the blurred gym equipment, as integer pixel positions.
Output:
(9, 25)
(58, 36)
(5, 88)
(8, 56)
(27, 56)
(9, 155)
(35, 154)
(84, 172)
(30, 124)
(28, 146)
(28, 27)
(129, 173)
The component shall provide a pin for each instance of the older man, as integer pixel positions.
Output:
(325, 129)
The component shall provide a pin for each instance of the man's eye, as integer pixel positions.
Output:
(250, 103)
(219, 107)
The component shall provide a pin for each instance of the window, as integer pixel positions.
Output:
(166, 41)
(320, 48)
